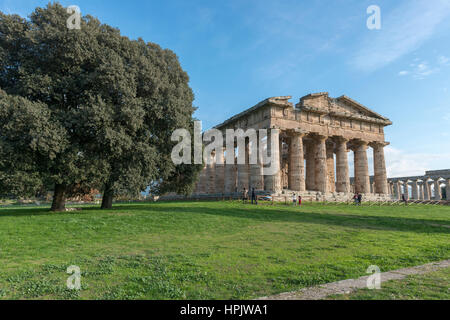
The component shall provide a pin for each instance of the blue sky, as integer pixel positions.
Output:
(238, 53)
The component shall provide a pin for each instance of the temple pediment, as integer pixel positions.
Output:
(343, 107)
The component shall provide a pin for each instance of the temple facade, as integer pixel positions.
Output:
(315, 138)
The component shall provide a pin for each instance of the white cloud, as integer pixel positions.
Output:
(400, 163)
(446, 117)
(403, 30)
(423, 69)
(443, 60)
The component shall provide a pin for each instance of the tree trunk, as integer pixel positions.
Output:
(108, 195)
(59, 198)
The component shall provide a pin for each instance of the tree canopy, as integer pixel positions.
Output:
(88, 108)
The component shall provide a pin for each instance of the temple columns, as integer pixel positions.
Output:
(379, 164)
(330, 168)
(437, 190)
(243, 170)
(272, 181)
(310, 166)
(421, 195)
(297, 163)
(426, 190)
(362, 181)
(415, 194)
(405, 189)
(321, 178)
(256, 173)
(342, 174)
(396, 190)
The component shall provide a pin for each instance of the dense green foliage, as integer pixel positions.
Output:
(96, 109)
(210, 250)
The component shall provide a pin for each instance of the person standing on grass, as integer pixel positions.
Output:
(404, 199)
(294, 200)
(254, 196)
(300, 200)
(244, 196)
(359, 199)
(355, 198)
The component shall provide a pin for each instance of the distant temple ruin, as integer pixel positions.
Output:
(434, 185)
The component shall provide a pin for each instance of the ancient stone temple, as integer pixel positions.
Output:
(315, 139)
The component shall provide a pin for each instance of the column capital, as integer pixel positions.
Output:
(297, 132)
(360, 142)
(382, 144)
(319, 137)
(340, 139)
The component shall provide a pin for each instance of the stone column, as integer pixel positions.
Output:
(321, 172)
(405, 189)
(426, 190)
(415, 194)
(297, 162)
(220, 171)
(342, 174)
(379, 164)
(362, 180)
(273, 182)
(310, 166)
(447, 190)
(211, 175)
(243, 170)
(330, 168)
(437, 190)
(421, 195)
(256, 172)
(399, 190)
(396, 190)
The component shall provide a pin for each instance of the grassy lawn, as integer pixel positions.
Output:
(209, 250)
(432, 286)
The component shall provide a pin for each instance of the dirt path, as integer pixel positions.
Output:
(350, 285)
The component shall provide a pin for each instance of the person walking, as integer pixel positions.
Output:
(300, 200)
(355, 199)
(294, 200)
(254, 196)
(404, 199)
(359, 199)
(245, 196)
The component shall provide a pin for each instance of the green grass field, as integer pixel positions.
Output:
(209, 250)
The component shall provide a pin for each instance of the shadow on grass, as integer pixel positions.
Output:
(42, 211)
(285, 215)
(278, 214)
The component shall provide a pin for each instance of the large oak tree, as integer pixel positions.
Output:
(88, 108)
